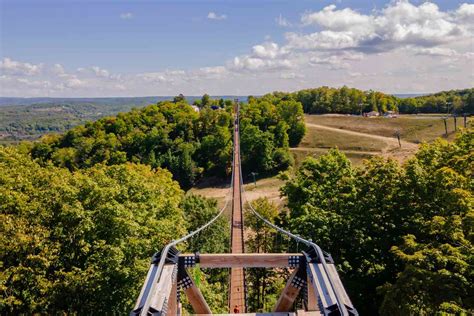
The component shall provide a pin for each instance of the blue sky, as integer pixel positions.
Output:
(98, 48)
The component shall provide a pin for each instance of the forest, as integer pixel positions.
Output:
(173, 135)
(29, 119)
(354, 101)
(78, 242)
(402, 235)
(82, 212)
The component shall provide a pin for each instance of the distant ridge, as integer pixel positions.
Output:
(409, 95)
(135, 101)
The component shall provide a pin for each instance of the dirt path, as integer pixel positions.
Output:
(324, 150)
(390, 141)
(391, 149)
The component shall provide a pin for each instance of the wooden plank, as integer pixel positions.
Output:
(173, 301)
(337, 283)
(237, 275)
(301, 312)
(319, 282)
(163, 289)
(194, 295)
(245, 260)
(312, 297)
(196, 300)
(288, 295)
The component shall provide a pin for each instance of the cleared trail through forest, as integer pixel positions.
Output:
(392, 147)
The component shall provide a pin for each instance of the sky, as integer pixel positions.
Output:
(85, 48)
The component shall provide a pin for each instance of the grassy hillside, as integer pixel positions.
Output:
(325, 139)
(413, 128)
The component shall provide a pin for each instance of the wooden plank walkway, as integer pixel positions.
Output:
(237, 282)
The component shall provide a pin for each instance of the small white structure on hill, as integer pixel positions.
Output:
(390, 114)
(372, 114)
(195, 108)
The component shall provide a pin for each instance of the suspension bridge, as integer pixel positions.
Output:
(313, 271)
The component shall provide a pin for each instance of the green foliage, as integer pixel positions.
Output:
(263, 285)
(214, 286)
(167, 135)
(29, 118)
(268, 126)
(213, 283)
(198, 211)
(453, 101)
(174, 136)
(344, 100)
(206, 100)
(353, 101)
(401, 235)
(80, 242)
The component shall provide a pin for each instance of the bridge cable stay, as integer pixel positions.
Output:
(149, 291)
(322, 256)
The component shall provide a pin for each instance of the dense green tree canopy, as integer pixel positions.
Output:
(353, 101)
(198, 211)
(168, 134)
(81, 219)
(401, 235)
(263, 285)
(80, 242)
(268, 126)
(173, 135)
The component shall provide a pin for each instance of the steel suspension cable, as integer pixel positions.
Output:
(309, 243)
(145, 298)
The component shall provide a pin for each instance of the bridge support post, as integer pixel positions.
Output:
(293, 287)
(192, 292)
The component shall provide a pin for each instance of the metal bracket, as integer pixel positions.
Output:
(171, 258)
(293, 261)
(314, 258)
(188, 261)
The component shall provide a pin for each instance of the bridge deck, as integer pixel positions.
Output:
(237, 290)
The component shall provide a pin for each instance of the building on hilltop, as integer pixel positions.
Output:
(372, 114)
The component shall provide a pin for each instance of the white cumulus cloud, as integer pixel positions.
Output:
(126, 15)
(281, 21)
(215, 16)
(337, 20)
(13, 67)
(402, 47)
(398, 24)
(99, 72)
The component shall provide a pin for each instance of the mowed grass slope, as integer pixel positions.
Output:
(413, 128)
(300, 154)
(320, 138)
